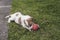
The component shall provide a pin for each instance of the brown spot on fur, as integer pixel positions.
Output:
(19, 20)
(17, 14)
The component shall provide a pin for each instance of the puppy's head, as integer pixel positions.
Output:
(30, 21)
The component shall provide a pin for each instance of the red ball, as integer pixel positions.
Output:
(35, 27)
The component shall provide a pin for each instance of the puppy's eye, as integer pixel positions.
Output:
(30, 25)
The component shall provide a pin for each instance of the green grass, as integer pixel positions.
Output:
(44, 12)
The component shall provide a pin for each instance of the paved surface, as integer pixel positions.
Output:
(4, 10)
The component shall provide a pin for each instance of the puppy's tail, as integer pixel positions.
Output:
(8, 16)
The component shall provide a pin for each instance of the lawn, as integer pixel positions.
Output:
(44, 12)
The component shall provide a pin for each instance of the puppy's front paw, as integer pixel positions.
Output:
(30, 30)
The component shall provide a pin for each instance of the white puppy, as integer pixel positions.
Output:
(24, 20)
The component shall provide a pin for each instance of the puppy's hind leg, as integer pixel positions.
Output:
(9, 20)
(8, 16)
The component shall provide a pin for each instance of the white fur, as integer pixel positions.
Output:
(23, 18)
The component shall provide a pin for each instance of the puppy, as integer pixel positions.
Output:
(19, 18)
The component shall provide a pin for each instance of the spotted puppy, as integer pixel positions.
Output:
(24, 20)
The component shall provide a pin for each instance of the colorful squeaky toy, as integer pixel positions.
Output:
(35, 27)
